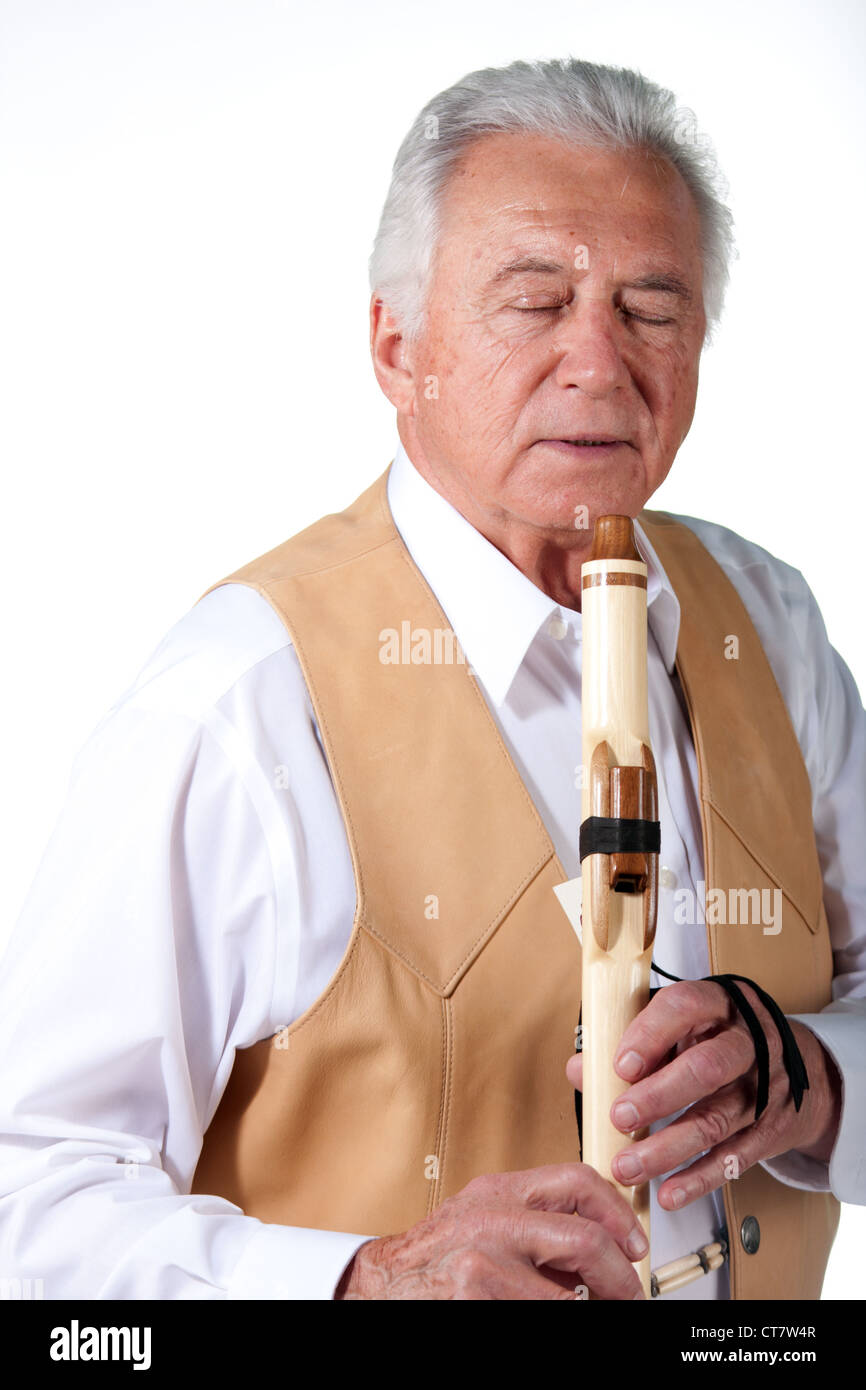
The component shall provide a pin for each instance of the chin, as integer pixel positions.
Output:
(561, 512)
(545, 499)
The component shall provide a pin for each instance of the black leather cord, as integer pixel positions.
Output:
(578, 1095)
(791, 1054)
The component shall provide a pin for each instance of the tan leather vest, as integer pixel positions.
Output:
(438, 1050)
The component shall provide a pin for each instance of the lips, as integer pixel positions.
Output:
(588, 438)
(602, 443)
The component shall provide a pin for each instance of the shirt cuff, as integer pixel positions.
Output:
(841, 1027)
(292, 1262)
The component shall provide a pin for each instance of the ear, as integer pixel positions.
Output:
(391, 362)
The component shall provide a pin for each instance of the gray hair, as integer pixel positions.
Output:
(582, 103)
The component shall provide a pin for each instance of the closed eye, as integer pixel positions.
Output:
(642, 318)
(537, 308)
(553, 308)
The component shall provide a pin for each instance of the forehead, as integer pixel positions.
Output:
(510, 190)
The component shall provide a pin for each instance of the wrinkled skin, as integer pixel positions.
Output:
(539, 1234)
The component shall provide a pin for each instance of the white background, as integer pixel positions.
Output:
(189, 191)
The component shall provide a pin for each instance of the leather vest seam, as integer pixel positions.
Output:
(265, 585)
(808, 910)
(437, 1186)
(477, 945)
(812, 917)
(321, 999)
(317, 569)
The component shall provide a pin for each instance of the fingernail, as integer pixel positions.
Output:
(677, 1196)
(630, 1065)
(625, 1115)
(637, 1244)
(628, 1166)
(638, 1295)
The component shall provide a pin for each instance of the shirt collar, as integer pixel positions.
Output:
(496, 613)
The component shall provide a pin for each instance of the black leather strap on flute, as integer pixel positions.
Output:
(617, 835)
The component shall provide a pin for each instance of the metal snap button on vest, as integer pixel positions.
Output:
(750, 1234)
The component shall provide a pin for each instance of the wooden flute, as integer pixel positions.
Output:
(619, 836)
(613, 905)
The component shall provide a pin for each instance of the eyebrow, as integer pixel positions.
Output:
(526, 265)
(665, 281)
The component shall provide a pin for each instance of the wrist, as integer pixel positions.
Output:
(354, 1281)
(825, 1081)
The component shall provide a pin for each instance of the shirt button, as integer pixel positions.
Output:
(667, 878)
(557, 627)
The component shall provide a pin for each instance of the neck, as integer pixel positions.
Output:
(549, 557)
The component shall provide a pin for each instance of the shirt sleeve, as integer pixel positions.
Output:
(146, 953)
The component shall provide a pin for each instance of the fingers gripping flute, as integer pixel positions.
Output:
(619, 835)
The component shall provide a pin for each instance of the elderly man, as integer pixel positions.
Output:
(292, 1002)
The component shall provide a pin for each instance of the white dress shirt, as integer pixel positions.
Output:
(197, 895)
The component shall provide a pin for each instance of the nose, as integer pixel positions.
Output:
(588, 349)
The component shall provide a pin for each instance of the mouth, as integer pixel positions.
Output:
(586, 444)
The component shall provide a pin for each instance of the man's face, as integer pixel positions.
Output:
(565, 305)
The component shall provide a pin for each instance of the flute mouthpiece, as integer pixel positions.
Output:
(613, 539)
